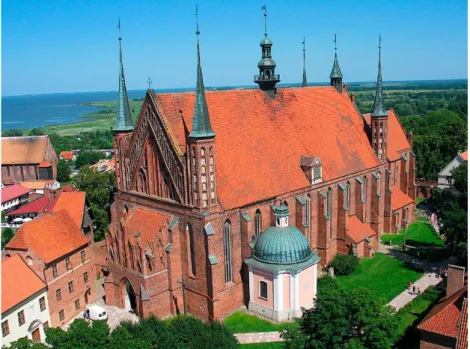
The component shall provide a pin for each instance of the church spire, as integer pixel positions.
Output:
(304, 76)
(379, 106)
(336, 77)
(266, 79)
(123, 115)
(201, 122)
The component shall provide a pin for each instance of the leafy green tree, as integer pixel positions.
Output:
(37, 132)
(344, 264)
(7, 235)
(89, 158)
(24, 343)
(14, 132)
(63, 171)
(342, 319)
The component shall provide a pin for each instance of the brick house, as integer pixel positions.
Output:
(205, 169)
(445, 326)
(13, 197)
(58, 252)
(29, 158)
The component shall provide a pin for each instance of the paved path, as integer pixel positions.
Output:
(259, 337)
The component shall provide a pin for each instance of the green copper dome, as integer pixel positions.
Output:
(285, 245)
(266, 41)
(266, 62)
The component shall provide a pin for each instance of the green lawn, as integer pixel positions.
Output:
(241, 322)
(275, 345)
(419, 200)
(385, 276)
(420, 233)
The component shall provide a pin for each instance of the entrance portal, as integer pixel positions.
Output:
(36, 336)
(129, 298)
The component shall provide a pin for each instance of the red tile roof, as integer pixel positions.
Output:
(464, 155)
(399, 198)
(145, 222)
(68, 188)
(397, 141)
(18, 282)
(13, 191)
(444, 318)
(66, 155)
(50, 237)
(35, 206)
(37, 184)
(45, 163)
(74, 203)
(462, 339)
(263, 139)
(357, 230)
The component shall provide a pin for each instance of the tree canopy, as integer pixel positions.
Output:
(63, 171)
(87, 158)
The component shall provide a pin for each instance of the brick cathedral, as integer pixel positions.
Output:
(200, 174)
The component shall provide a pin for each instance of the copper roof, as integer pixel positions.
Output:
(23, 150)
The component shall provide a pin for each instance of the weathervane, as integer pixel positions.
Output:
(335, 42)
(197, 23)
(265, 20)
(149, 81)
(119, 28)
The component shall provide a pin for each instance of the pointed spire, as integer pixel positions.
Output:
(304, 76)
(336, 71)
(123, 114)
(379, 106)
(201, 121)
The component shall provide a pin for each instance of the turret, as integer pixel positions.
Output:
(336, 77)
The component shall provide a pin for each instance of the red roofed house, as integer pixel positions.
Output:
(13, 197)
(203, 171)
(445, 326)
(25, 311)
(445, 176)
(28, 159)
(58, 252)
(67, 156)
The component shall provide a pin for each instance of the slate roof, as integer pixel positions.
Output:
(264, 139)
(399, 198)
(16, 289)
(357, 230)
(13, 191)
(444, 317)
(24, 150)
(396, 140)
(50, 237)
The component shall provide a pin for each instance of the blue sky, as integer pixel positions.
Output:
(71, 46)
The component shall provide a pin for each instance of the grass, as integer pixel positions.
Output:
(420, 234)
(274, 345)
(385, 276)
(99, 121)
(419, 200)
(241, 322)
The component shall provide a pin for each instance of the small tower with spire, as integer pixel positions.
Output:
(304, 75)
(124, 122)
(267, 79)
(336, 77)
(379, 116)
(201, 145)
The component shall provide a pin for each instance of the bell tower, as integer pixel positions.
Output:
(201, 146)
(379, 116)
(336, 77)
(267, 79)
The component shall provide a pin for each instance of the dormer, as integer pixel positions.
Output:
(312, 167)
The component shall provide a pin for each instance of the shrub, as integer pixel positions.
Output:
(344, 264)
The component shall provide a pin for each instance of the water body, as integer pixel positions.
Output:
(31, 111)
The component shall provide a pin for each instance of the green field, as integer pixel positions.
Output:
(385, 276)
(241, 322)
(420, 234)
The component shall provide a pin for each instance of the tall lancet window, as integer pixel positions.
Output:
(228, 251)
(257, 222)
(190, 250)
(211, 174)
(308, 207)
(364, 190)
(195, 189)
(328, 204)
(348, 195)
(204, 177)
(378, 184)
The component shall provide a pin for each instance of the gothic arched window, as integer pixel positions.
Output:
(228, 251)
(131, 255)
(190, 249)
(257, 222)
(378, 183)
(348, 195)
(364, 190)
(308, 208)
(328, 203)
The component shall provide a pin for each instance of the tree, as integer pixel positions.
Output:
(37, 132)
(14, 132)
(7, 235)
(63, 171)
(344, 319)
(24, 343)
(344, 264)
(89, 158)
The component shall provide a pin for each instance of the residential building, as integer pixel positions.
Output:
(104, 166)
(25, 310)
(200, 174)
(28, 159)
(445, 326)
(40, 186)
(14, 196)
(445, 180)
(67, 156)
(58, 252)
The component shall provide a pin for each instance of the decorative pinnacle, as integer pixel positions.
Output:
(335, 43)
(379, 106)
(197, 23)
(304, 76)
(265, 20)
(149, 81)
(119, 28)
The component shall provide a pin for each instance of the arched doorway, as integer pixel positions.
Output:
(130, 302)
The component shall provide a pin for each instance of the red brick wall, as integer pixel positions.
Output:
(435, 341)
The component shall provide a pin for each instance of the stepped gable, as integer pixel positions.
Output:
(16, 289)
(264, 139)
(50, 237)
(145, 222)
(396, 140)
(23, 150)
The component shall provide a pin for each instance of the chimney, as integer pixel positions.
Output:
(455, 279)
(353, 98)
